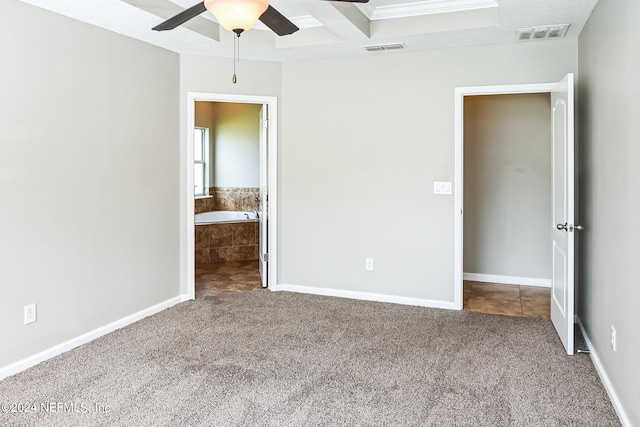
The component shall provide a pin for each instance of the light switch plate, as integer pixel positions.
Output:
(442, 187)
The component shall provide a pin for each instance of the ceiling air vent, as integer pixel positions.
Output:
(547, 32)
(379, 47)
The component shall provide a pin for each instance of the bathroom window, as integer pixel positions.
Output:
(200, 157)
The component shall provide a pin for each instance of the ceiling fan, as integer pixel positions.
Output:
(238, 15)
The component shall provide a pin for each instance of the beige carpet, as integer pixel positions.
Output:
(280, 359)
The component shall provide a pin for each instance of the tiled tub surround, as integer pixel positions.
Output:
(228, 199)
(226, 242)
(204, 204)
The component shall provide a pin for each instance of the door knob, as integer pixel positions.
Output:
(567, 227)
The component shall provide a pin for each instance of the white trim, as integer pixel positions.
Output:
(602, 373)
(507, 280)
(272, 111)
(506, 89)
(33, 360)
(304, 21)
(422, 8)
(459, 94)
(190, 203)
(458, 176)
(366, 296)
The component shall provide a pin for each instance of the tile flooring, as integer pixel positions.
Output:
(229, 276)
(508, 300)
(490, 298)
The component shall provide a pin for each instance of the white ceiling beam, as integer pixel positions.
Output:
(419, 8)
(354, 16)
(435, 23)
(165, 9)
(316, 36)
(343, 19)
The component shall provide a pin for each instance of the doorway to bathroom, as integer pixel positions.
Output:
(232, 169)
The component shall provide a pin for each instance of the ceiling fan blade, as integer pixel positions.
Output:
(181, 18)
(277, 22)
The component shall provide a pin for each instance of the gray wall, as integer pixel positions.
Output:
(507, 185)
(609, 154)
(88, 178)
(235, 142)
(362, 142)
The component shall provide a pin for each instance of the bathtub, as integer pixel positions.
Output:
(226, 236)
(225, 217)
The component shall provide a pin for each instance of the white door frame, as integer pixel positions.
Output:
(460, 93)
(272, 103)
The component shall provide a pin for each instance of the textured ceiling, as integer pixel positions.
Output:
(333, 29)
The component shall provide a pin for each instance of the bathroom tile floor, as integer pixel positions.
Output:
(489, 298)
(507, 300)
(229, 276)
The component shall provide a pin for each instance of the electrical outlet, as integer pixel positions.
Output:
(30, 314)
(368, 264)
(614, 344)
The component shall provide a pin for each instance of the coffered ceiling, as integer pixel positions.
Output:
(333, 29)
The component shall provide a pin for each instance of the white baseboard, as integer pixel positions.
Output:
(507, 280)
(624, 419)
(367, 296)
(30, 361)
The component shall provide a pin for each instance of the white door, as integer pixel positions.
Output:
(562, 281)
(264, 196)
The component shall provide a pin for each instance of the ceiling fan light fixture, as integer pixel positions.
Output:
(237, 14)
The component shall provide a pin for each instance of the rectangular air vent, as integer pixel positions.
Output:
(379, 47)
(546, 32)
(524, 34)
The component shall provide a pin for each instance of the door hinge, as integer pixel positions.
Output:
(265, 124)
(265, 257)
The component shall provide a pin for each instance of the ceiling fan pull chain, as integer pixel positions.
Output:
(236, 53)
(234, 79)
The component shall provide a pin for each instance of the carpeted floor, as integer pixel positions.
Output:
(266, 358)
